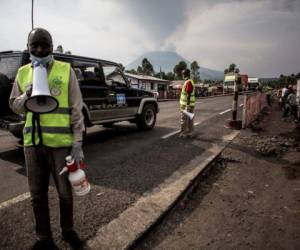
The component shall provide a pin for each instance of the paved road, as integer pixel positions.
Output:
(123, 163)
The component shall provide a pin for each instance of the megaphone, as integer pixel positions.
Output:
(189, 114)
(41, 100)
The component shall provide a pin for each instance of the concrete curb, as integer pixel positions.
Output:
(133, 223)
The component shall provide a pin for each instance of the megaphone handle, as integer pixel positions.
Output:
(36, 118)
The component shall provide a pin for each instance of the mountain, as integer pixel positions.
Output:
(166, 60)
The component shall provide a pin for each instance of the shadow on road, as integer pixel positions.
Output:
(15, 156)
(135, 161)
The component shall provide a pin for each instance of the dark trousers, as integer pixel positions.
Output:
(187, 125)
(40, 162)
(294, 111)
(269, 99)
(290, 109)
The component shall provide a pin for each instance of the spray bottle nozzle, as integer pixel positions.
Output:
(65, 169)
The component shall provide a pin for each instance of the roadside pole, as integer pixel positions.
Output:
(298, 97)
(244, 117)
(234, 123)
(235, 102)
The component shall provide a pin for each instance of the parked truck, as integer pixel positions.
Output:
(253, 83)
(244, 80)
(230, 80)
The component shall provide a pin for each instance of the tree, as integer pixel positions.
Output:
(195, 71)
(179, 68)
(161, 75)
(170, 76)
(232, 69)
(122, 68)
(59, 49)
(131, 71)
(146, 68)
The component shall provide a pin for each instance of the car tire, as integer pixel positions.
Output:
(17, 134)
(146, 120)
(5, 89)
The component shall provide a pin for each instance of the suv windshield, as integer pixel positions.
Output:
(9, 65)
(113, 73)
(229, 83)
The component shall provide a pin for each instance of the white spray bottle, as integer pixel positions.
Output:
(76, 177)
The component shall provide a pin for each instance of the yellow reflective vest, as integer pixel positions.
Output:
(268, 90)
(55, 126)
(184, 94)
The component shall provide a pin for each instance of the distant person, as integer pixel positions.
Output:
(285, 105)
(269, 91)
(292, 102)
(59, 49)
(187, 103)
(283, 92)
(58, 134)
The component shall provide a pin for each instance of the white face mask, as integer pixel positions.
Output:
(41, 60)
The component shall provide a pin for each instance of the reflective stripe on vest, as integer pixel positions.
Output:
(55, 126)
(184, 95)
(268, 90)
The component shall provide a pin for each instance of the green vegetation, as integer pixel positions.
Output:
(289, 79)
(147, 69)
(178, 69)
(195, 71)
(232, 69)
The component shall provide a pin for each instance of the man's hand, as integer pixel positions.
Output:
(77, 152)
(29, 90)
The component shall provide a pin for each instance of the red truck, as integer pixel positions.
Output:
(244, 80)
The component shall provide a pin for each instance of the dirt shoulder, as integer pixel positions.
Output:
(250, 200)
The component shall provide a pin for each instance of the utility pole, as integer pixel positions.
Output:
(160, 73)
(234, 123)
(235, 102)
(298, 97)
(32, 4)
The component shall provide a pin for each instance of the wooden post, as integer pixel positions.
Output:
(235, 102)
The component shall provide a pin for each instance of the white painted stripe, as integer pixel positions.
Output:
(170, 134)
(177, 131)
(199, 102)
(15, 200)
(241, 105)
(152, 205)
(225, 111)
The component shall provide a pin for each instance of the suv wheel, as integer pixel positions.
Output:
(146, 120)
(5, 89)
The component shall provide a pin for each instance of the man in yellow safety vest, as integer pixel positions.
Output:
(50, 137)
(187, 106)
(268, 90)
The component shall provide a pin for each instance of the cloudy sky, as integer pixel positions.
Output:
(261, 37)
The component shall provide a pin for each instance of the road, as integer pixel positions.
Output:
(123, 164)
